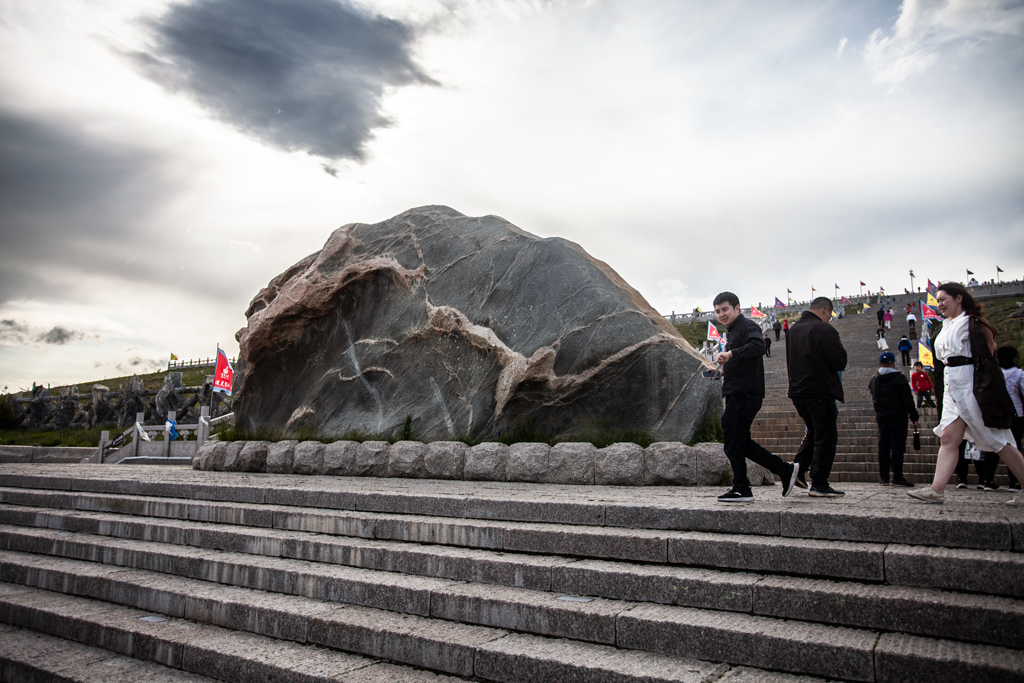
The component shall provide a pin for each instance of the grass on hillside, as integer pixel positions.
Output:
(87, 437)
(193, 377)
(1008, 331)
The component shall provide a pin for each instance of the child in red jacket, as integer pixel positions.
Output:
(922, 385)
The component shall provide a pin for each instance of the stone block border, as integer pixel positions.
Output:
(621, 464)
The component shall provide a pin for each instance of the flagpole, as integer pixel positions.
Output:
(212, 392)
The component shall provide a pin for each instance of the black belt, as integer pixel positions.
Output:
(957, 361)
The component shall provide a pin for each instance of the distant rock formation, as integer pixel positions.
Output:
(469, 326)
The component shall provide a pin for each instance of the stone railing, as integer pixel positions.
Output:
(621, 464)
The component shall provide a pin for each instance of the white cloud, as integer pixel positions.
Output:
(928, 30)
(842, 46)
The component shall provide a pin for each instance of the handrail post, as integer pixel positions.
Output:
(203, 432)
(104, 440)
(171, 414)
(139, 419)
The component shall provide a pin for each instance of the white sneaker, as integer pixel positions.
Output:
(1019, 500)
(927, 495)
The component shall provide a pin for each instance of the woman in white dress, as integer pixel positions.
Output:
(961, 414)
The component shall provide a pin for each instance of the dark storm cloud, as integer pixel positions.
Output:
(68, 204)
(17, 333)
(300, 75)
(60, 336)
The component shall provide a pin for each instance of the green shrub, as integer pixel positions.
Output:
(7, 418)
(709, 430)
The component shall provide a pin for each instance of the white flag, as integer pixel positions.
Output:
(142, 432)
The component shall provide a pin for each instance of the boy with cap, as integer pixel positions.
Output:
(893, 403)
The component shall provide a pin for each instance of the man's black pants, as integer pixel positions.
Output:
(892, 444)
(905, 357)
(740, 411)
(818, 450)
(925, 396)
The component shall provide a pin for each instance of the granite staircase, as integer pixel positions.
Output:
(779, 429)
(134, 573)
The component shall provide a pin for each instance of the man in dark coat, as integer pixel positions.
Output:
(814, 358)
(778, 329)
(894, 403)
(743, 389)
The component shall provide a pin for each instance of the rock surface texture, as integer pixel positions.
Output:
(469, 326)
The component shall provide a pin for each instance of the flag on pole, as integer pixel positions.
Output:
(924, 354)
(969, 272)
(837, 286)
(932, 288)
(173, 357)
(698, 310)
(929, 313)
(834, 314)
(845, 300)
(713, 334)
(788, 290)
(813, 289)
(778, 303)
(863, 284)
(931, 300)
(999, 270)
(224, 374)
(866, 307)
(754, 313)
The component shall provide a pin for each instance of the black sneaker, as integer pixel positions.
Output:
(990, 487)
(902, 482)
(734, 495)
(980, 486)
(825, 492)
(1014, 488)
(789, 479)
(961, 485)
(885, 482)
(801, 479)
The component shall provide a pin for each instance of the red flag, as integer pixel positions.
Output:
(929, 313)
(713, 333)
(863, 284)
(223, 375)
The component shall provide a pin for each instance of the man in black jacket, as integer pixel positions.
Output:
(894, 403)
(814, 358)
(743, 389)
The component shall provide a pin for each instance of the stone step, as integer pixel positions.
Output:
(439, 644)
(841, 603)
(415, 510)
(144, 628)
(30, 656)
(804, 557)
(442, 645)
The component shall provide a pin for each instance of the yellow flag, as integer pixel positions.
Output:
(931, 301)
(173, 357)
(924, 355)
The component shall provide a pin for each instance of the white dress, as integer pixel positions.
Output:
(958, 399)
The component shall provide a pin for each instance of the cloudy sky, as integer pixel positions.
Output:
(160, 162)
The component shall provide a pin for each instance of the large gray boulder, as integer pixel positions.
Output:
(469, 326)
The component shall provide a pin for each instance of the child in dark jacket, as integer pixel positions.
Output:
(893, 403)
